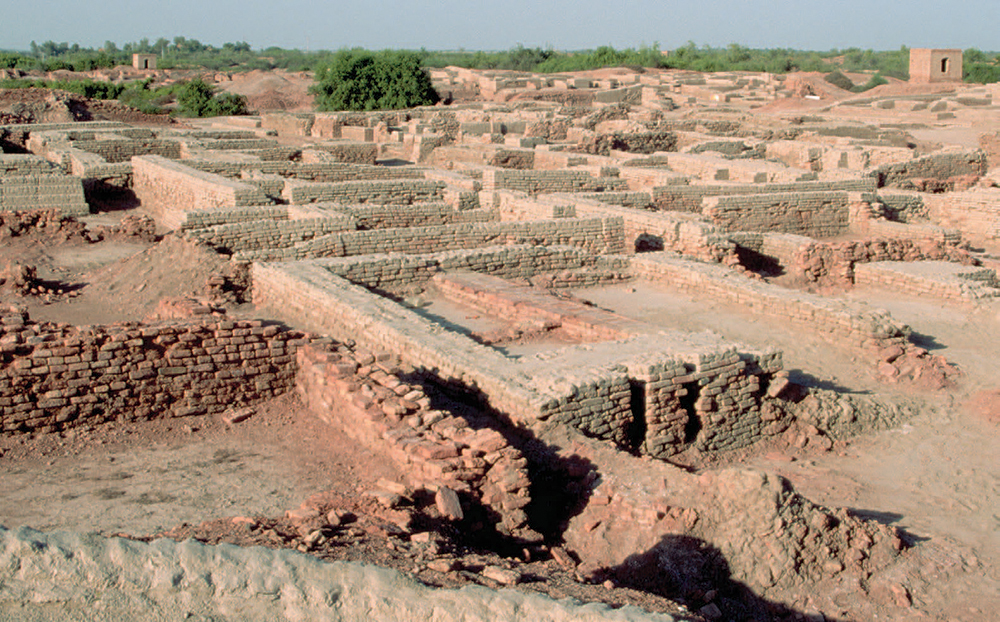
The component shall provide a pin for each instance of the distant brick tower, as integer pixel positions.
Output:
(144, 61)
(928, 65)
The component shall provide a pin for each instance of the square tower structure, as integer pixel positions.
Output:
(927, 65)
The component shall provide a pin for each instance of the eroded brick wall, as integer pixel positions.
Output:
(55, 375)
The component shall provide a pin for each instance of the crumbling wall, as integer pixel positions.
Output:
(54, 376)
(327, 172)
(816, 214)
(596, 235)
(842, 323)
(28, 182)
(539, 182)
(931, 279)
(400, 274)
(974, 212)
(355, 393)
(643, 230)
(688, 198)
(938, 168)
(383, 191)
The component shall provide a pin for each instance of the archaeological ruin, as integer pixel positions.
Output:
(629, 285)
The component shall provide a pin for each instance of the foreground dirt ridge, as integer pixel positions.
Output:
(53, 576)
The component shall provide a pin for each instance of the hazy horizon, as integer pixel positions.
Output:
(560, 25)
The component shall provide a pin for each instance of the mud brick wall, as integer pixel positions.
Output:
(62, 193)
(410, 274)
(389, 191)
(54, 376)
(816, 214)
(321, 171)
(634, 200)
(348, 151)
(940, 166)
(930, 279)
(908, 208)
(546, 160)
(91, 166)
(306, 294)
(685, 198)
(26, 164)
(171, 191)
(367, 216)
(839, 322)
(684, 233)
(519, 303)
(647, 178)
(230, 215)
(287, 124)
(123, 150)
(595, 235)
(901, 231)
(538, 182)
(976, 213)
(265, 234)
(708, 168)
(355, 393)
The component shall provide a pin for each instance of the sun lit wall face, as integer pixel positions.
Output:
(927, 65)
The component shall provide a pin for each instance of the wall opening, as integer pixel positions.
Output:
(944, 65)
(637, 429)
(693, 424)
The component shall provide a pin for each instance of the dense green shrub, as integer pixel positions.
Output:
(839, 80)
(362, 80)
(875, 80)
(198, 99)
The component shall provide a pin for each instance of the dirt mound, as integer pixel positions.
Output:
(55, 106)
(813, 83)
(173, 267)
(272, 90)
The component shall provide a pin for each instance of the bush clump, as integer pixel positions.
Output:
(839, 80)
(362, 80)
(198, 99)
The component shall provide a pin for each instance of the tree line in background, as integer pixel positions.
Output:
(184, 53)
(359, 79)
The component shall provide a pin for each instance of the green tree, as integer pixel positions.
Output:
(362, 80)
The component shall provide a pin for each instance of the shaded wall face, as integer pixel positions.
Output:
(935, 65)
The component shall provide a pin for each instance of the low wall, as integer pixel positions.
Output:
(974, 212)
(940, 167)
(538, 182)
(688, 198)
(54, 376)
(328, 172)
(369, 216)
(643, 230)
(709, 168)
(267, 234)
(842, 323)
(595, 235)
(122, 150)
(172, 191)
(930, 279)
(46, 192)
(387, 191)
(816, 214)
(400, 275)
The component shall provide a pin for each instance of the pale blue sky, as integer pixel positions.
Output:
(475, 24)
